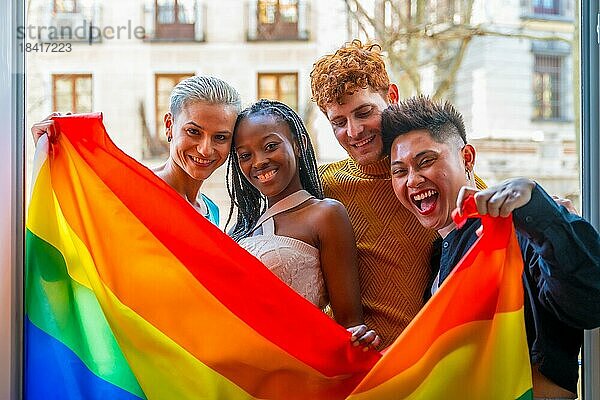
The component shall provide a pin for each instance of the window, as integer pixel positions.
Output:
(288, 11)
(547, 87)
(65, 6)
(163, 84)
(546, 7)
(279, 86)
(274, 11)
(71, 21)
(175, 19)
(155, 143)
(72, 93)
(277, 19)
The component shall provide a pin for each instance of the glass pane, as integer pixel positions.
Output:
(63, 102)
(165, 10)
(162, 96)
(83, 103)
(551, 7)
(290, 99)
(267, 87)
(554, 99)
(289, 90)
(288, 9)
(538, 94)
(288, 83)
(63, 94)
(164, 85)
(546, 96)
(63, 85)
(65, 6)
(162, 101)
(83, 85)
(267, 10)
(547, 86)
(186, 13)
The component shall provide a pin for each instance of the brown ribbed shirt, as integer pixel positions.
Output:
(393, 248)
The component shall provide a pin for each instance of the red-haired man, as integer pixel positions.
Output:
(352, 88)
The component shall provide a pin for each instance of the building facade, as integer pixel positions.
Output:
(517, 93)
(123, 58)
(263, 48)
(514, 83)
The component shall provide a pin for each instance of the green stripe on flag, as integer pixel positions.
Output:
(70, 313)
(528, 395)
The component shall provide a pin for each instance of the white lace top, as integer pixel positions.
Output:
(295, 262)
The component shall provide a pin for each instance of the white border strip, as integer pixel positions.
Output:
(11, 199)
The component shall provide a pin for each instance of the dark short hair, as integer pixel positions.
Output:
(439, 118)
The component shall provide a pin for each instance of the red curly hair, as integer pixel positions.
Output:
(354, 66)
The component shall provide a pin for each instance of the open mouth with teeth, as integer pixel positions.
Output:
(425, 201)
(364, 142)
(200, 161)
(267, 176)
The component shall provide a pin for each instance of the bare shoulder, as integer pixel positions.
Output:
(331, 223)
(328, 211)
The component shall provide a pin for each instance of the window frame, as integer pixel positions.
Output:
(278, 29)
(73, 78)
(73, 11)
(13, 98)
(175, 30)
(556, 9)
(278, 76)
(556, 92)
(590, 169)
(12, 200)
(158, 119)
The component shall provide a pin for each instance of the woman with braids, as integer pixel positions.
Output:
(283, 218)
(199, 127)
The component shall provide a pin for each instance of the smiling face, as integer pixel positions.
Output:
(427, 176)
(266, 153)
(356, 123)
(200, 137)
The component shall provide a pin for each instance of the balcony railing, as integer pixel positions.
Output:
(268, 22)
(84, 24)
(179, 21)
(557, 10)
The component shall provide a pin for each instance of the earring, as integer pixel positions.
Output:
(169, 138)
(468, 174)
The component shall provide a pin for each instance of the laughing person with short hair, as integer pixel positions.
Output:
(431, 167)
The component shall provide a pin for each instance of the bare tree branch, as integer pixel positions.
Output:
(452, 70)
(420, 33)
(520, 35)
(358, 16)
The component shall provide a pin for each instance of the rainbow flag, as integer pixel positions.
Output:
(130, 294)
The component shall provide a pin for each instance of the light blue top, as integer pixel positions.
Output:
(213, 210)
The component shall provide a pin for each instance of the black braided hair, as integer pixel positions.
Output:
(250, 203)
